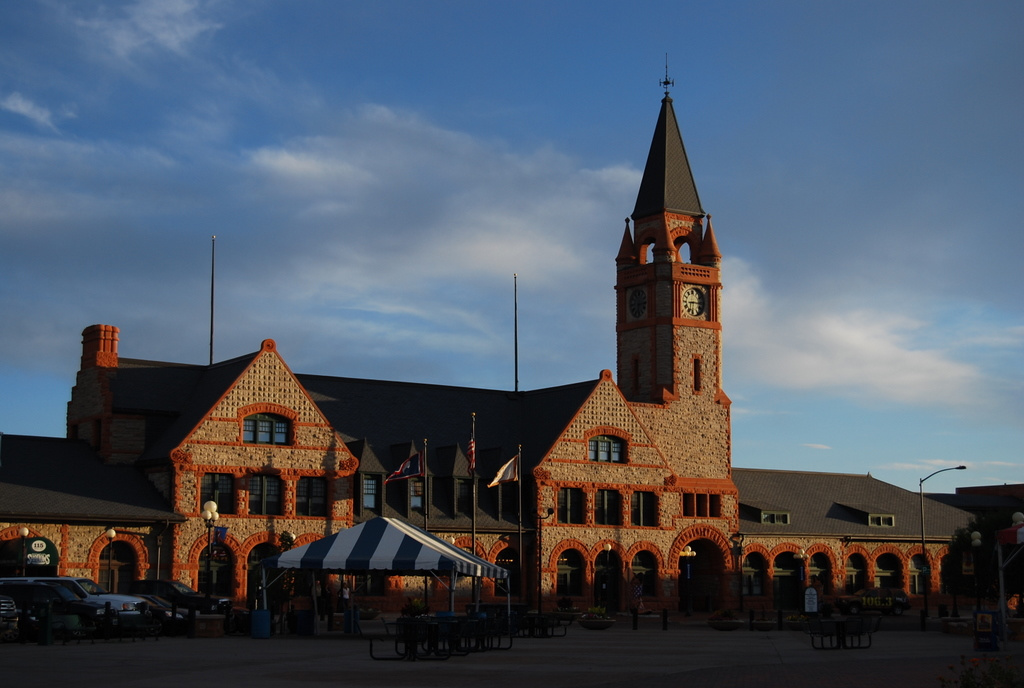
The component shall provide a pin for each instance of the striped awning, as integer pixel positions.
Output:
(385, 544)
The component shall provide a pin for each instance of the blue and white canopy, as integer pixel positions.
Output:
(386, 544)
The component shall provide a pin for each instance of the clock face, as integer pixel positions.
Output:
(637, 303)
(693, 301)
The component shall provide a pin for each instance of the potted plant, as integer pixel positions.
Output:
(724, 620)
(763, 623)
(596, 619)
(368, 613)
(795, 622)
(415, 607)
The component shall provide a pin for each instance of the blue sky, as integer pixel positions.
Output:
(375, 172)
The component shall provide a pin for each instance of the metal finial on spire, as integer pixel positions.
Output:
(666, 82)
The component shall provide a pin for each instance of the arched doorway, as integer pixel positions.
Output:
(701, 577)
(787, 583)
(644, 582)
(856, 573)
(117, 567)
(820, 569)
(508, 559)
(607, 580)
(219, 568)
(254, 574)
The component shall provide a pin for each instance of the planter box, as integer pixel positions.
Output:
(209, 626)
(596, 624)
(725, 624)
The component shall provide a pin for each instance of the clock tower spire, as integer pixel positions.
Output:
(668, 282)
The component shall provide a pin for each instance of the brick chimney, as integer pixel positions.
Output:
(99, 347)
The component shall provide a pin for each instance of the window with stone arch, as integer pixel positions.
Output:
(606, 449)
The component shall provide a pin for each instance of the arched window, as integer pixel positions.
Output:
(218, 568)
(254, 576)
(917, 575)
(117, 567)
(753, 574)
(888, 571)
(607, 449)
(266, 428)
(856, 574)
(570, 573)
(646, 567)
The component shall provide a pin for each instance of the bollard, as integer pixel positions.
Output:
(108, 620)
(779, 620)
(750, 625)
(664, 619)
(46, 624)
(924, 620)
(191, 622)
(636, 615)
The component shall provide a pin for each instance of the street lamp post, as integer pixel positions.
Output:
(111, 534)
(540, 555)
(975, 543)
(209, 515)
(24, 549)
(689, 553)
(926, 573)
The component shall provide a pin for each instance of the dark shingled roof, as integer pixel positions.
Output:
(667, 183)
(49, 478)
(838, 504)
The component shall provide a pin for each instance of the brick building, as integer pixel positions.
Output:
(627, 487)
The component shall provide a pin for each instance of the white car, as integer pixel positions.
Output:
(85, 590)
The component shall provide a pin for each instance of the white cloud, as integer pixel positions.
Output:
(168, 24)
(817, 446)
(816, 344)
(20, 105)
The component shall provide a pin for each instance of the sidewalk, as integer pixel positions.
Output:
(688, 654)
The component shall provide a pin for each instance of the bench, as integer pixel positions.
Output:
(857, 631)
(824, 634)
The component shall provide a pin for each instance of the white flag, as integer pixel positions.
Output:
(508, 473)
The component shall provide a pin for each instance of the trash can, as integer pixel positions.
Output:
(259, 623)
(304, 621)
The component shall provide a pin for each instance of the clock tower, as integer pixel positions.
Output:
(668, 283)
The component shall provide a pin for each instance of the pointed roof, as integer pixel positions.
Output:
(667, 182)
(709, 253)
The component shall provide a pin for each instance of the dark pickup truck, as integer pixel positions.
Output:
(180, 594)
(885, 600)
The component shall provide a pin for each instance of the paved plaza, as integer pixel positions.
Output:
(688, 653)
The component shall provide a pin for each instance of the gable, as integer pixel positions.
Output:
(606, 412)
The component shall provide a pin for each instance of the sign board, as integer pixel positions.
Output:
(811, 601)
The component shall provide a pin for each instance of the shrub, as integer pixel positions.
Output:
(984, 672)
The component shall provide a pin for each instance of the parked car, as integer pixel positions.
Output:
(33, 597)
(8, 619)
(180, 594)
(885, 600)
(172, 621)
(84, 589)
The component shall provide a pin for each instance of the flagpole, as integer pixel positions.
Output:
(426, 489)
(472, 476)
(515, 338)
(426, 513)
(519, 460)
(213, 269)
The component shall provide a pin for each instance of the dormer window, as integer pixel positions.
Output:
(881, 520)
(778, 518)
(607, 449)
(265, 428)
